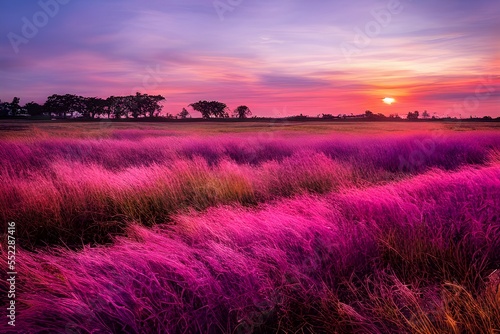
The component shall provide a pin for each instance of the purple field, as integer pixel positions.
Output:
(247, 229)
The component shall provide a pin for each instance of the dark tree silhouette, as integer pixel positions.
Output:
(139, 105)
(34, 109)
(64, 104)
(212, 108)
(4, 108)
(150, 104)
(117, 106)
(183, 114)
(93, 106)
(144, 105)
(426, 115)
(15, 108)
(242, 112)
(370, 115)
(108, 110)
(136, 105)
(413, 115)
(55, 104)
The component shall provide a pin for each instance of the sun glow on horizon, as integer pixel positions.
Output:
(388, 100)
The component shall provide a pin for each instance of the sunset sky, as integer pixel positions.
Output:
(279, 57)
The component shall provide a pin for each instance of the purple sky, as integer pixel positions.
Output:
(279, 57)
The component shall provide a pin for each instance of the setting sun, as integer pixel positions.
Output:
(389, 100)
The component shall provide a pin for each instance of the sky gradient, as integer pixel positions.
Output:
(279, 57)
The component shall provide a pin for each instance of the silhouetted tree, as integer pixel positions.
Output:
(183, 114)
(413, 115)
(143, 105)
(55, 104)
(4, 108)
(133, 105)
(34, 109)
(108, 107)
(212, 108)
(64, 104)
(15, 108)
(137, 104)
(151, 105)
(93, 106)
(242, 112)
(426, 115)
(117, 106)
(370, 115)
(298, 117)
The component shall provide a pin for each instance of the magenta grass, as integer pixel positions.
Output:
(145, 231)
(415, 256)
(74, 191)
(125, 151)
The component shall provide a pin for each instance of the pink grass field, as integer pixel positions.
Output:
(252, 230)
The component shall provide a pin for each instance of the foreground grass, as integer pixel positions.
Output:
(416, 256)
(283, 231)
(79, 191)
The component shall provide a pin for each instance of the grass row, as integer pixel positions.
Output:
(416, 256)
(75, 192)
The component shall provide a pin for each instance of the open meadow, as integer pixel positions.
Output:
(253, 227)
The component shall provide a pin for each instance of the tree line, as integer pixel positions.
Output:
(412, 115)
(216, 109)
(371, 115)
(132, 106)
(135, 106)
